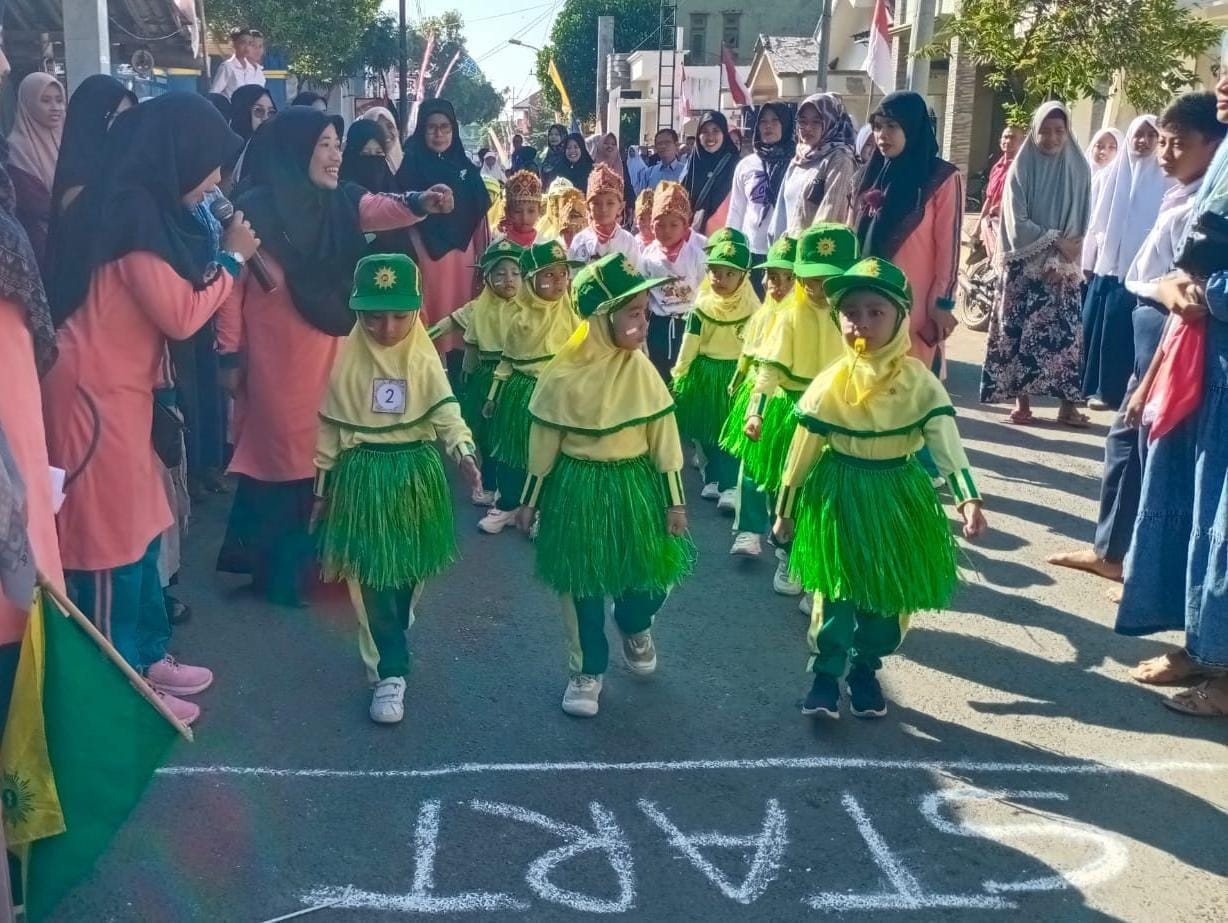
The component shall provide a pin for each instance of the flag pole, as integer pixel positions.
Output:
(138, 682)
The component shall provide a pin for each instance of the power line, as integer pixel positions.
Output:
(536, 6)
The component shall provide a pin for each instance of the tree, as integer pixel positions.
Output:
(1036, 50)
(573, 45)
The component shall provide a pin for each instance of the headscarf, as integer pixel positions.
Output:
(576, 173)
(90, 111)
(863, 135)
(537, 328)
(33, 146)
(735, 308)
(489, 316)
(493, 170)
(313, 232)
(594, 387)
(774, 157)
(524, 159)
(554, 153)
(837, 129)
(803, 338)
(392, 146)
(423, 168)
(154, 154)
(1090, 152)
(361, 360)
(241, 103)
(708, 178)
(20, 281)
(370, 171)
(891, 200)
(1045, 193)
(1125, 213)
(995, 186)
(221, 104)
(595, 146)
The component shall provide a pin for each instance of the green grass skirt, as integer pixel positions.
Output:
(702, 398)
(389, 520)
(733, 439)
(510, 426)
(472, 396)
(874, 533)
(603, 530)
(764, 461)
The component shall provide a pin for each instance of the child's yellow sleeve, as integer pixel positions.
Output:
(328, 447)
(690, 346)
(545, 443)
(665, 450)
(452, 431)
(942, 439)
(804, 453)
(767, 380)
(445, 326)
(503, 371)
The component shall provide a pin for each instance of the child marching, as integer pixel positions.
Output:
(383, 506)
(605, 463)
(605, 233)
(541, 323)
(869, 536)
(522, 210)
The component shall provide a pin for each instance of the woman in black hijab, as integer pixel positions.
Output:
(250, 107)
(221, 104)
(364, 163)
(577, 162)
(556, 136)
(708, 179)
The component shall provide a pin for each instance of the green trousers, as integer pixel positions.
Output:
(584, 624)
(840, 634)
(386, 616)
(721, 469)
(753, 511)
(510, 482)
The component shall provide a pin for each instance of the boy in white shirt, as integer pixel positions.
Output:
(242, 67)
(605, 233)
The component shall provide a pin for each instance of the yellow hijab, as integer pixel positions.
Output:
(411, 369)
(488, 320)
(725, 310)
(594, 387)
(538, 329)
(804, 340)
(881, 393)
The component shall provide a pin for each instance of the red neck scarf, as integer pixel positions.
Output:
(525, 238)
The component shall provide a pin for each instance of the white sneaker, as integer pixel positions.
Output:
(580, 699)
(710, 492)
(746, 545)
(497, 520)
(483, 497)
(938, 482)
(699, 461)
(536, 527)
(388, 701)
(806, 605)
(640, 653)
(782, 583)
(728, 501)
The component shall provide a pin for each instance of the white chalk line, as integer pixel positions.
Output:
(1088, 768)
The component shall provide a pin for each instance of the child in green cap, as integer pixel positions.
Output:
(383, 507)
(869, 535)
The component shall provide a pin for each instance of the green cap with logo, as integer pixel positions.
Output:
(497, 252)
(537, 257)
(386, 282)
(725, 234)
(731, 254)
(876, 274)
(781, 255)
(825, 250)
(606, 285)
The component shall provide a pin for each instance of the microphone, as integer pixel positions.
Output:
(224, 211)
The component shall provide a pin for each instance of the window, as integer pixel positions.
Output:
(731, 32)
(699, 36)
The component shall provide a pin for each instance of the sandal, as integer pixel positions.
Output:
(1074, 419)
(1019, 417)
(1173, 667)
(1210, 700)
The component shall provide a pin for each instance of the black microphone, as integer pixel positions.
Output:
(224, 211)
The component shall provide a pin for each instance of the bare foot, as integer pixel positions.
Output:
(1087, 560)
(1173, 667)
(1113, 595)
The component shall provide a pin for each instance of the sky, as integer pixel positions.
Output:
(488, 26)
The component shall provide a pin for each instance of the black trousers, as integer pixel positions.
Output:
(664, 341)
(388, 619)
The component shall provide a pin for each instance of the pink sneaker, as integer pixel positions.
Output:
(185, 711)
(174, 678)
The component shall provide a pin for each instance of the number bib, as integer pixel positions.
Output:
(388, 395)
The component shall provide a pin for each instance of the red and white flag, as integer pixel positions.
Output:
(684, 105)
(878, 64)
(737, 89)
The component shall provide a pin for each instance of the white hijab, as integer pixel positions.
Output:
(1098, 169)
(493, 170)
(1126, 210)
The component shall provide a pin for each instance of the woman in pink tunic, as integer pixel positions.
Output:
(910, 210)
(279, 346)
(150, 274)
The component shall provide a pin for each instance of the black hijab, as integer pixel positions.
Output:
(370, 171)
(576, 173)
(525, 158)
(775, 157)
(241, 102)
(153, 155)
(221, 104)
(891, 200)
(708, 178)
(554, 153)
(90, 110)
(314, 233)
(422, 168)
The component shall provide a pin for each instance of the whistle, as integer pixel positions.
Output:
(859, 345)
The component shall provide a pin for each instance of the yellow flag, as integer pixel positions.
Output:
(31, 803)
(558, 83)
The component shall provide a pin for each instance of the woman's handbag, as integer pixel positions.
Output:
(167, 433)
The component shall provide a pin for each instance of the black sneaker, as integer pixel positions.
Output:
(824, 697)
(865, 694)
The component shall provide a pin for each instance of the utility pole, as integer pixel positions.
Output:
(605, 47)
(87, 40)
(403, 75)
(824, 45)
(922, 35)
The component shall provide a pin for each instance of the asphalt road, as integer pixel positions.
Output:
(1019, 773)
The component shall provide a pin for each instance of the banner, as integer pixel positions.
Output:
(557, 79)
(879, 66)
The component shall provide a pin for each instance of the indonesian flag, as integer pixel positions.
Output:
(685, 101)
(737, 90)
(878, 56)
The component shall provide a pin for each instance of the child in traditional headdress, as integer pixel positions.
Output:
(551, 224)
(574, 214)
(541, 322)
(605, 233)
(677, 255)
(708, 360)
(605, 471)
(643, 219)
(522, 210)
(383, 506)
(482, 323)
(752, 518)
(869, 535)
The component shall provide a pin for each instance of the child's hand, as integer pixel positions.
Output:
(488, 410)
(1135, 407)
(470, 472)
(524, 519)
(675, 521)
(974, 520)
(784, 530)
(754, 428)
(318, 508)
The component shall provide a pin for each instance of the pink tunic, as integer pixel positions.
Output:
(448, 282)
(286, 364)
(929, 257)
(98, 402)
(21, 417)
(718, 219)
